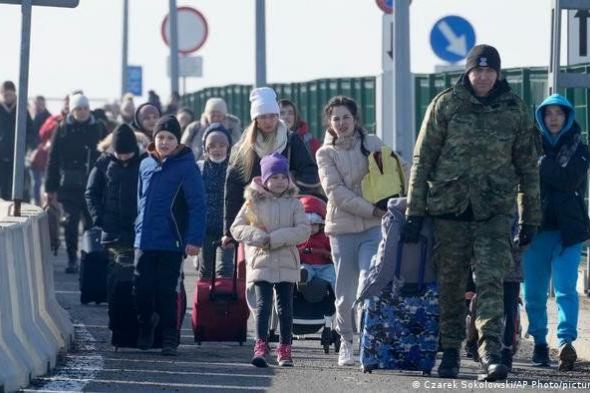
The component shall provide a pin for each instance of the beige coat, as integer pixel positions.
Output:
(271, 228)
(342, 168)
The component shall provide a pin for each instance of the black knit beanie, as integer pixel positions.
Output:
(170, 124)
(483, 56)
(124, 140)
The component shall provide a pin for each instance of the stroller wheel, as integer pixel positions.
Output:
(336, 341)
(326, 337)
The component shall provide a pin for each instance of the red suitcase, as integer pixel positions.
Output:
(220, 312)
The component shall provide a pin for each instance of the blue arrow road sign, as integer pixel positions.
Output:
(134, 80)
(451, 38)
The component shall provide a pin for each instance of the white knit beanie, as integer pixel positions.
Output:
(78, 100)
(215, 104)
(263, 101)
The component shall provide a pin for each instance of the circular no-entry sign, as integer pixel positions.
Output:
(192, 30)
(386, 5)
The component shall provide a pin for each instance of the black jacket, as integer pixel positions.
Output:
(72, 156)
(111, 197)
(7, 134)
(39, 120)
(302, 166)
(563, 190)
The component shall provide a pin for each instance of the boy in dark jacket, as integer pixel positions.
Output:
(216, 144)
(170, 223)
(111, 193)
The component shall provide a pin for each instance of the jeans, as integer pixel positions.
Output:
(352, 255)
(324, 272)
(264, 297)
(544, 260)
(37, 179)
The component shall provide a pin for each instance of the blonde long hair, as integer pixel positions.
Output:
(244, 156)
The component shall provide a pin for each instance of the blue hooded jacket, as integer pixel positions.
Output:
(171, 203)
(555, 99)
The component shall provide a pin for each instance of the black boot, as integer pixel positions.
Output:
(169, 342)
(493, 369)
(507, 358)
(471, 350)
(541, 356)
(449, 366)
(72, 267)
(147, 331)
(567, 357)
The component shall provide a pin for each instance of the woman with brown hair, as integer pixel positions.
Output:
(265, 135)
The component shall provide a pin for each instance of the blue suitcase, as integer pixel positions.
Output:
(400, 325)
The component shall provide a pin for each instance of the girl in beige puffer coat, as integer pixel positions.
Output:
(271, 223)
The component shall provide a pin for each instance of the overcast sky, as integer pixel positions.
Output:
(306, 39)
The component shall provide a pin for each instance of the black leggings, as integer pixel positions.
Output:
(264, 297)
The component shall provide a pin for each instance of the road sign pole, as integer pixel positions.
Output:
(403, 133)
(21, 108)
(384, 83)
(260, 21)
(124, 58)
(173, 46)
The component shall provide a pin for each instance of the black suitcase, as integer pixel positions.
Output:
(122, 311)
(94, 262)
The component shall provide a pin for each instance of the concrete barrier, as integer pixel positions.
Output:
(33, 327)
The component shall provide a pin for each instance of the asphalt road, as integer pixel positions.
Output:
(93, 365)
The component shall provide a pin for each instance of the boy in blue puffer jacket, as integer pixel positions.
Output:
(170, 224)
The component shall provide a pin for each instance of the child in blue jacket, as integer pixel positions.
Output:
(170, 224)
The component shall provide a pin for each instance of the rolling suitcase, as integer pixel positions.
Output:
(400, 325)
(122, 311)
(94, 262)
(220, 312)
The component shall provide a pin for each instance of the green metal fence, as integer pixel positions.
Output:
(310, 97)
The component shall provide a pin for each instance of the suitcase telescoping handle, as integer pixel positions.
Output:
(423, 260)
(234, 293)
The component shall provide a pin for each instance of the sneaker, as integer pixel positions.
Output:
(449, 366)
(147, 331)
(541, 355)
(345, 354)
(284, 355)
(260, 353)
(567, 357)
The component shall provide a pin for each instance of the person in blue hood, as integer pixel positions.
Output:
(555, 251)
(170, 223)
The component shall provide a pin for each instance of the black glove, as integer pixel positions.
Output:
(525, 235)
(411, 230)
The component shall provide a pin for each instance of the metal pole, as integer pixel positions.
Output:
(125, 47)
(21, 108)
(173, 47)
(553, 81)
(403, 140)
(260, 43)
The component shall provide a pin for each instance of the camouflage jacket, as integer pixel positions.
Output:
(470, 153)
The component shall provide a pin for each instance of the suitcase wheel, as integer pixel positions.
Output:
(336, 341)
(272, 336)
(97, 302)
(116, 349)
(241, 343)
(367, 370)
(326, 349)
(426, 373)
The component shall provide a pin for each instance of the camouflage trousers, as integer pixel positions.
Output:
(485, 246)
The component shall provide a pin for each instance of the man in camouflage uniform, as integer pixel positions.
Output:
(476, 151)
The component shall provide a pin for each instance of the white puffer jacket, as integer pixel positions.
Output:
(280, 219)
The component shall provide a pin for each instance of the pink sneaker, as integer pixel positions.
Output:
(284, 355)
(260, 353)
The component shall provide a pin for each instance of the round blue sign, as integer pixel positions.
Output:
(451, 38)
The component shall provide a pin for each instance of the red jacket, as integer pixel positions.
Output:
(312, 143)
(319, 244)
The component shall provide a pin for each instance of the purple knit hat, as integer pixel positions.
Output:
(273, 164)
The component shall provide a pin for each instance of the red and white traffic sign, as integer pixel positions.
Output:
(192, 30)
(386, 5)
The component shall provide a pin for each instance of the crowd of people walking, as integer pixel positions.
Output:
(163, 185)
